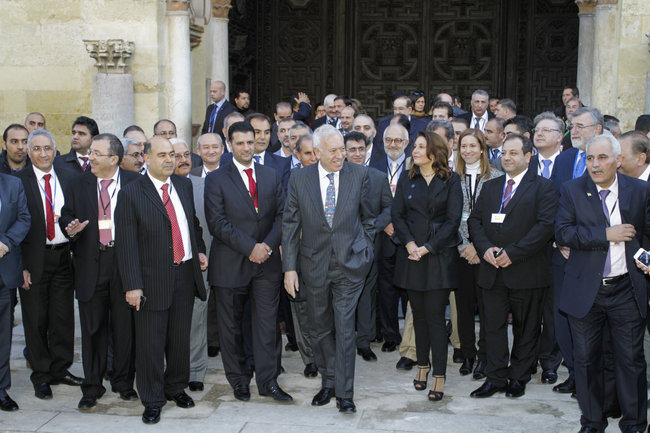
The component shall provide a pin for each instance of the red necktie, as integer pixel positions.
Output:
(177, 239)
(507, 195)
(84, 166)
(49, 212)
(252, 186)
(104, 212)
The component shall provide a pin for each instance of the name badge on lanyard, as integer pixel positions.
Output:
(498, 218)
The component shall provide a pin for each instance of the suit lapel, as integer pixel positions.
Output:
(345, 178)
(526, 183)
(624, 199)
(36, 193)
(149, 191)
(313, 188)
(91, 194)
(185, 201)
(237, 180)
(594, 200)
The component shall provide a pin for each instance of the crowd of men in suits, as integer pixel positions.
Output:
(176, 256)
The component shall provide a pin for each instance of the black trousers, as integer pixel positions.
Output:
(468, 297)
(213, 323)
(163, 337)
(107, 301)
(548, 351)
(615, 306)
(560, 320)
(388, 294)
(48, 318)
(428, 309)
(264, 295)
(6, 328)
(526, 308)
(367, 308)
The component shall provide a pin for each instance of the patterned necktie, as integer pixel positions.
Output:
(84, 166)
(49, 211)
(257, 159)
(330, 200)
(608, 261)
(507, 195)
(252, 186)
(104, 211)
(580, 165)
(177, 239)
(495, 154)
(546, 171)
(332, 121)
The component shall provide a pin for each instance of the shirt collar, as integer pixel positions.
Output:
(645, 174)
(157, 183)
(322, 172)
(39, 173)
(399, 160)
(519, 177)
(613, 188)
(241, 167)
(114, 177)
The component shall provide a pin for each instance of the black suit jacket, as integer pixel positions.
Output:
(70, 162)
(81, 204)
(417, 124)
(525, 234)
(14, 226)
(143, 241)
(33, 247)
(280, 164)
(581, 225)
(236, 227)
(226, 109)
(468, 116)
(318, 122)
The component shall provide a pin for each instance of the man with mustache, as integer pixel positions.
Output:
(14, 150)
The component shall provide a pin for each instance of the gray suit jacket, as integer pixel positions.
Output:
(306, 236)
(198, 186)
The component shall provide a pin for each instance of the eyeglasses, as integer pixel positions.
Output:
(579, 127)
(545, 130)
(39, 149)
(185, 155)
(136, 154)
(389, 140)
(97, 154)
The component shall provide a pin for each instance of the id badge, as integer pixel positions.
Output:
(56, 218)
(105, 224)
(498, 218)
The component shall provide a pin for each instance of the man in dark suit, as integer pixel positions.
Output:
(603, 218)
(401, 105)
(47, 295)
(282, 111)
(364, 124)
(479, 114)
(331, 118)
(14, 225)
(87, 219)
(511, 226)
(210, 148)
(160, 254)
(328, 225)
(217, 110)
(380, 200)
(83, 130)
(243, 204)
(14, 150)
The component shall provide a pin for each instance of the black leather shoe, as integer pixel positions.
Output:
(310, 370)
(195, 386)
(388, 346)
(87, 402)
(458, 357)
(129, 395)
(182, 400)
(549, 376)
(323, 397)
(367, 354)
(43, 391)
(274, 390)
(488, 389)
(466, 368)
(479, 370)
(7, 404)
(213, 351)
(515, 389)
(242, 392)
(566, 387)
(586, 429)
(345, 405)
(377, 339)
(68, 379)
(151, 415)
(405, 363)
(291, 347)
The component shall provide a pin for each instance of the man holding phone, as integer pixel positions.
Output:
(602, 218)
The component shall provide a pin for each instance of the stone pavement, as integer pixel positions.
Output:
(385, 399)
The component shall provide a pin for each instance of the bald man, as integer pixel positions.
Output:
(217, 110)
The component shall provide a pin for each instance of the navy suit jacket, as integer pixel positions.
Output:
(226, 108)
(580, 225)
(280, 164)
(70, 162)
(417, 124)
(14, 225)
(563, 167)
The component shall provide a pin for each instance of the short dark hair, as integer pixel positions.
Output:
(522, 123)
(574, 90)
(509, 104)
(460, 120)
(527, 144)
(639, 141)
(155, 125)
(88, 123)
(258, 116)
(610, 118)
(13, 126)
(240, 127)
(445, 105)
(355, 136)
(301, 139)
(238, 93)
(131, 129)
(403, 120)
(115, 145)
(642, 123)
(346, 100)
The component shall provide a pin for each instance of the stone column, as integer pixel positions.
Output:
(606, 50)
(647, 83)
(113, 107)
(179, 77)
(587, 12)
(218, 32)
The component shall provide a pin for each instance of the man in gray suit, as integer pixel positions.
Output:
(328, 225)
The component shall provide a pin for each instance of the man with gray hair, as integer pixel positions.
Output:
(604, 291)
(35, 120)
(635, 153)
(335, 250)
(479, 115)
(505, 109)
(133, 155)
(295, 132)
(210, 148)
(331, 118)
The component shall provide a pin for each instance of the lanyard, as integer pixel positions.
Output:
(471, 193)
(101, 200)
(393, 173)
(52, 200)
(506, 198)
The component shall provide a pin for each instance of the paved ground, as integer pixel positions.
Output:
(385, 399)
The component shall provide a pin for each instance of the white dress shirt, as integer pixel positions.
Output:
(261, 158)
(242, 173)
(515, 185)
(394, 171)
(616, 249)
(540, 164)
(59, 201)
(368, 154)
(178, 209)
(81, 161)
(113, 190)
(482, 121)
(646, 174)
(325, 182)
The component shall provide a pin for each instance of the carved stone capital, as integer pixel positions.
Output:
(178, 5)
(221, 8)
(586, 5)
(110, 55)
